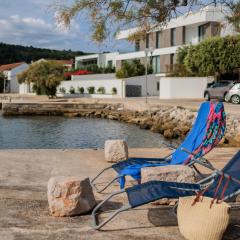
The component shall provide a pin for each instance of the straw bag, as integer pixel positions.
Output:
(203, 218)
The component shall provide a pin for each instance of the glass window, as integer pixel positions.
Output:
(158, 86)
(172, 59)
(173, 37)
(201, 32)
(147, 40)
(156, 64)
(137, 45)
(110, 63)
(158, 39)
(236, 86)
(184, 35)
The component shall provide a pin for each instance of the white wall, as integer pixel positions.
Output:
(12, 77)
(108, 81)
(102, 58)
(93, 77)
(107, 84)
(183, 87)
(152, 81)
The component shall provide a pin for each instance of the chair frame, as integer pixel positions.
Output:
(203, 183)
(167, 159)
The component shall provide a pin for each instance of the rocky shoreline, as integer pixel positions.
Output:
(172, 122)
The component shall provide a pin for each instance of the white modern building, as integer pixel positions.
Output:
(11, 71)
(163, 42)
(100, 59)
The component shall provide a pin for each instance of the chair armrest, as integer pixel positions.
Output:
(171, 146)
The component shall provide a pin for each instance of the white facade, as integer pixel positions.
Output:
(11, 76)
(108, 84)
(204, 15)
(183, 87)
(109, 81)
(101, 59)
(191, 21)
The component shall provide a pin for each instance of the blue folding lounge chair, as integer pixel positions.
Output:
(226, 181)
(207, 131)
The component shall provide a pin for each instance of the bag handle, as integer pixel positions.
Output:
(219, 200)
(216, 191)
(224, 189)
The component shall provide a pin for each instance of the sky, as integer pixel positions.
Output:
(31, 23)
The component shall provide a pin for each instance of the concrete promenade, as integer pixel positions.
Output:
(131, 103)
(24, 210)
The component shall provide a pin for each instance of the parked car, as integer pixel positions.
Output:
(218, 90)
(233, 94)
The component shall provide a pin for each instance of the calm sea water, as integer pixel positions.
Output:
(62, 132)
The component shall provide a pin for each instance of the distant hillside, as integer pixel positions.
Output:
(17, 53)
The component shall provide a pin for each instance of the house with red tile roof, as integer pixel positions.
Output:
(11, 71)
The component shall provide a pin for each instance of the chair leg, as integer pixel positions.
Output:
(92, 181)
(95, 223)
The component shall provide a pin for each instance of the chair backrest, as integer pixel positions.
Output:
(232, 168)
(207, 131)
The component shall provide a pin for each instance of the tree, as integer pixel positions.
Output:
(106, 15)
(45, 76)
(218, 55)
(16, 53)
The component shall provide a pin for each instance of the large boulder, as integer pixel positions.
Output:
(171, 173)
(69, 196)
(116, 150)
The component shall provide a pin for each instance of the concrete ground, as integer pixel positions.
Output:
(24, 211)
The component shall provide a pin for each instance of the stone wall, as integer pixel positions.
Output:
(171, 122)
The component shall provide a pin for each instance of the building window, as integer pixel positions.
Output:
(173, 37)
(201, 32)
(156, 64)
(158, 86)
(110, 63)
(137, 45)
(158, 39)
(184, 35)
(147, 40)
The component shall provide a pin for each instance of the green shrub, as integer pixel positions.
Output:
(181, 54)
(91, 90)
(62, 90)
(81, 90)
(72, 90)
(217, 55)
(101, 90)
(179, 70)
(114, 91)
(131, 69)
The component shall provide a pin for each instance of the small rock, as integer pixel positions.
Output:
(163, 201)
(173, 173)
(168, 133)
(69, 196)
(116, 150)
(172, 203)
